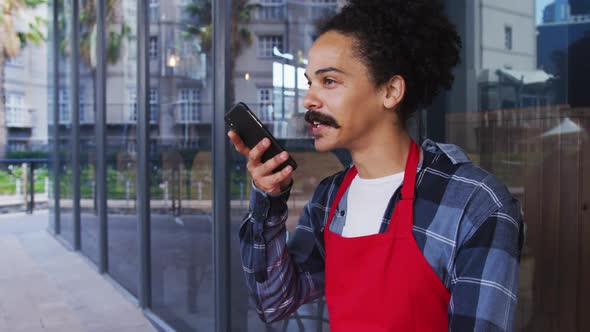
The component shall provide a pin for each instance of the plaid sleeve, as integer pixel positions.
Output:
(484, 280)
(279, 279)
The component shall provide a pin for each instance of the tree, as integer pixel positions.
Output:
(11, 43)
(116, 31)
(240, 36)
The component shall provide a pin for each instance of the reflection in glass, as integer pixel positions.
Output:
(89, 224)
(65, 124)
(180, 162)
(121, 120)
(23, 107)
(529, 126)
(51, 109)
(268, 76)
(519, 107)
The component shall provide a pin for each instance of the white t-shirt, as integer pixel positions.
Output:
(366, 204)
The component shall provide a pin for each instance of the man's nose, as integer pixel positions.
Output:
(311, 101)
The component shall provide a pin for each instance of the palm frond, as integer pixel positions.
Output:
(34, 3)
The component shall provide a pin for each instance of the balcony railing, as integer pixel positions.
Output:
(19, 118)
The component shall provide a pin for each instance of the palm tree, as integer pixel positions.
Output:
(116, 31)
(240, 36)
(11, 42)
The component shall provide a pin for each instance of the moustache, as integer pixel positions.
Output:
(314, 116)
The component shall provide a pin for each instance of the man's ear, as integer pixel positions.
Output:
(395, 90)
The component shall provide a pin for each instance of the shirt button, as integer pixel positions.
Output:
(342, 213)
(258, 238)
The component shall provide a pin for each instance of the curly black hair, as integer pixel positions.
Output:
(410, 38)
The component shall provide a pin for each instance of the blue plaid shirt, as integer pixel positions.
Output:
(466, 223)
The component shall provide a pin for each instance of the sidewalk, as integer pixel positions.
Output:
(45, 287)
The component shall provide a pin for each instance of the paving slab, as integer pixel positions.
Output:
(46, 287)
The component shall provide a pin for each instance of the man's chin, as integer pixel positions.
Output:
(322, 146)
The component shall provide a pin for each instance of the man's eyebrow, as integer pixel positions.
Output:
(325, 70)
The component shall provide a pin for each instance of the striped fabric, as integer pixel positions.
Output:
(466, 223)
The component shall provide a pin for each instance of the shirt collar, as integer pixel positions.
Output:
(453, 152)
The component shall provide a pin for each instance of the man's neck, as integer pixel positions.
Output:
(386, 157)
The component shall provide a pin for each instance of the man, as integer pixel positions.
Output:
(406, 238)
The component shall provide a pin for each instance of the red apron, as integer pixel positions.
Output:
(382, 282)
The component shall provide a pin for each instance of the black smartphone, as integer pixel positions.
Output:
(251, 130)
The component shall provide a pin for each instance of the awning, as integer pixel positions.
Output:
(526, 76)
(567, 126)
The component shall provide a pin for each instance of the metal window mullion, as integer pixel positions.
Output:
(74, 107)
(100, 131)
(221, 197)
(143, 186)
(55, 132)
(31, 202)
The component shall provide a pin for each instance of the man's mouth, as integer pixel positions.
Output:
(317, 119)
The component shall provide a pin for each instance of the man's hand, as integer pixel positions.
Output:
(264, 178)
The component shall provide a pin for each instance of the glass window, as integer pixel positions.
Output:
(121, 169)
(64, 141)
(189, 101)
(180, 168)
(15, 109)
(275, 92)
(132, 105)
(89, 223)
(265, 105)
(529, 129)
(153, 48)
(518, 108)
(17, 146)
(508, 37)
(154, 104)
(65, 116)
(84, 106)
(267, 43)
(154, 8)
(270, 10)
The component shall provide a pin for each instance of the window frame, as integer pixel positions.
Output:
(264, 50)
(508, 37)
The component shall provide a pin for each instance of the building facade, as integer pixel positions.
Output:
(562, 40)
(26, 91)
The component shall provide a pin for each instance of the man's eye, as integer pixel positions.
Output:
(308, 84)
(329, 81)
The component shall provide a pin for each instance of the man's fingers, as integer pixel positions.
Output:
(238, 143)
(271, 183)
(281, 176)
(262, 173)
(258, 150)
(273, 163)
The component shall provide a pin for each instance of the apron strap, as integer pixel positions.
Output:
(402, 218)
(409, 184)
(350, 174)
